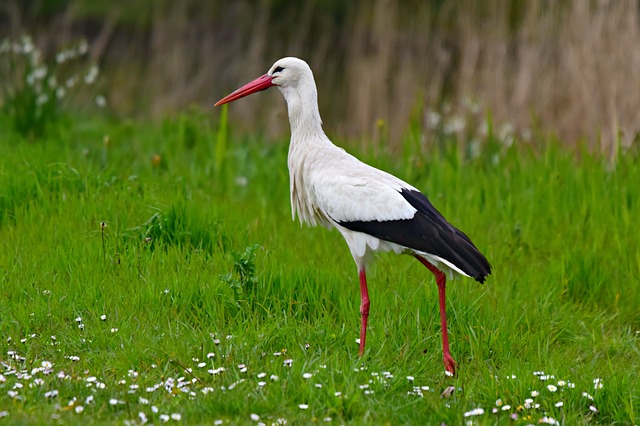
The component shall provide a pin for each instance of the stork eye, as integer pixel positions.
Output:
(278, 69)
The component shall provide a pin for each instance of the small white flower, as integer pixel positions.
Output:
(42, 99)
(506, 408)
(114, 330)
(552, 388)
(61, 57)
(218, 422)
(433, 119)
(70, 83)
(91, 75)
(79, 409)
(255, 417)
(103, 317)
(498, 402)
(561, 383)
(210, 355)
(454, 125)
(176, 416)
(40, 73)
(113, 401)
(586, 395)
(559, 404)
(307, 375)
(593, 408)
(51, 394)
(475, 412)
(262, 384)
(202, 364)
(597, 384)
(303, 406)
(164, 418)
(262, 375)
(46, 364)
(83, 47)
(410, 378)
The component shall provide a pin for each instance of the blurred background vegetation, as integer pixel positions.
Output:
(384, 68)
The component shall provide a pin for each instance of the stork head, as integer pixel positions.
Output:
(285, 73)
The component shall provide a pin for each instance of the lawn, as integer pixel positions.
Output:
(152, 273)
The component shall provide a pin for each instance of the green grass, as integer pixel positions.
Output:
(175, 272)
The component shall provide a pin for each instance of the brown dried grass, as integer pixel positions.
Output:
(570, 69)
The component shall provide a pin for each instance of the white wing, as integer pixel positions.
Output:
(348, 190)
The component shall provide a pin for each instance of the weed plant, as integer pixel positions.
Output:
(35, 92)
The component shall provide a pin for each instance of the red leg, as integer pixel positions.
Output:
(364, 309)
(441, 279)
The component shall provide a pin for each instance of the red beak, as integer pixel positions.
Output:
(260, 83)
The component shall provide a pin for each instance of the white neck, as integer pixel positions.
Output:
(307, 137)
(304, 117)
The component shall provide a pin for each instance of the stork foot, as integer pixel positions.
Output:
(450, 364)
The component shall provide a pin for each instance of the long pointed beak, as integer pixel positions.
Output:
(260, 83)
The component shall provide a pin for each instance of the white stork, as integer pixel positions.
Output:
(373, 210)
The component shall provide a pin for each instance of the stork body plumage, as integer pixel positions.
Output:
(373, 210)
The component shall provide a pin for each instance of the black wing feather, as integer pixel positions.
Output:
(428, 231)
